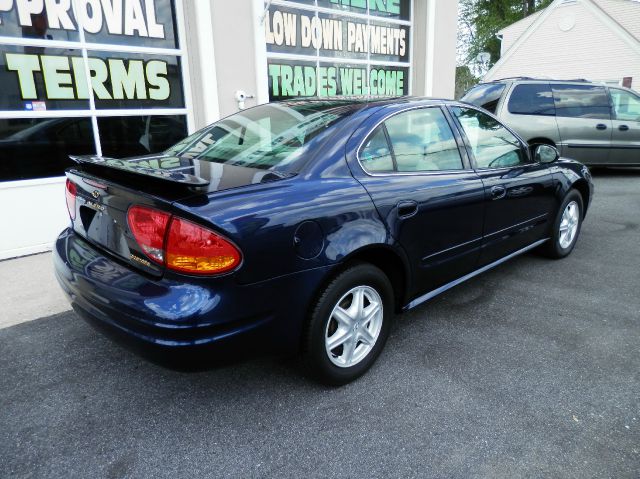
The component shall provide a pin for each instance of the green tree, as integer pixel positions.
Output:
(480, 21)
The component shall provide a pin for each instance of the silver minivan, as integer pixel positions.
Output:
(595, 124)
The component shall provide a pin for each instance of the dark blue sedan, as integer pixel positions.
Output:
(305, 226)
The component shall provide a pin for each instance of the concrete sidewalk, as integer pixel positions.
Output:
(29, 290)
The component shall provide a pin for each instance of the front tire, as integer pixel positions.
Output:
(349, 325)
(566, 227)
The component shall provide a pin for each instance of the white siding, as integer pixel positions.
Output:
(625, 12)
(589, 50)
(511, 33)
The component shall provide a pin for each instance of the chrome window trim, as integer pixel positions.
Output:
(464, 169)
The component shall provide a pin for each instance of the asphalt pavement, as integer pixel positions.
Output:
(530, 370)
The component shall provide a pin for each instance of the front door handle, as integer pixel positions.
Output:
(406, 209)
(623, 128)
(498, 192)
(601, 126)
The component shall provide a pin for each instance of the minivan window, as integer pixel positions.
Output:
(626, 105)
(532, 99)
(422, 140)
(581, 101)
(485, 96)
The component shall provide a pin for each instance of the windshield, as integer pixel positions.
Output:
(485, 96)
(275, 136)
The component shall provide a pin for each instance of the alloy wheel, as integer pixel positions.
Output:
(569, 224)
(354, 326)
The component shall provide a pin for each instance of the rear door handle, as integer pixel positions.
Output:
(406, 209)
(601, 126)
(623, 128)
(498, 192)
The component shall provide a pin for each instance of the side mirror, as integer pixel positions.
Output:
(546, 154)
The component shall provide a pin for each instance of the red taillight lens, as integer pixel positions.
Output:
(189, 248)
(197, 250)
(149, 226)
(71, 191)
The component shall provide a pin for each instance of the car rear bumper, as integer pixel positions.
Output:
(176, 318)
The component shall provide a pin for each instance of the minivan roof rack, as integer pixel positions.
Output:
(581, 80)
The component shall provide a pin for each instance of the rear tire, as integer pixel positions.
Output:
(349, 325)
(566, 227)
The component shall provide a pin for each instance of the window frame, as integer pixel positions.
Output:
(464, 159)
(85, 48)
(472, 159)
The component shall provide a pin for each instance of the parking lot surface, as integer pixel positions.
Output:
(530, 370)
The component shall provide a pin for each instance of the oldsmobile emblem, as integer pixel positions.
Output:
(95, 193)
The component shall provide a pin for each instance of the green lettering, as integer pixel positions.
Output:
(298, 81)
(286, 80)
(274, 73)
(309, 81)
(159, 89)
(346, 81)
(57, 79)
(99, 75)
(25, 65)
(127, 84)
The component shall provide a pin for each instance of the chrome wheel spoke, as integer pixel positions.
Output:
(348, 351)
(366, 337)
(342, 316)
(368, 314)
(338, 338)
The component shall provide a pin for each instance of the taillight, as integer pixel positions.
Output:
(180, 244)
(71, 191)
(149, 226)
(194, 249)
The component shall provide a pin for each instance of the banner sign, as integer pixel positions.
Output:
(40, 78)
(319, 38)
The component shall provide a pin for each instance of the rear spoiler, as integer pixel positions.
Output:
(171, 169)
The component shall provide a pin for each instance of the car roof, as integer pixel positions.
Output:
(546, 80)
(363, 102)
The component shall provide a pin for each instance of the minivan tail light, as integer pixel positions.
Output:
(149, 227)
(71, 192)
(181, 245)
(197, 250)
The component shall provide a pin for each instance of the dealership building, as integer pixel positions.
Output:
(119, 78)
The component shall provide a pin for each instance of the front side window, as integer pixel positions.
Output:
(532, 99)
(626, 105)
(581, 101)
(485, 96)
(492, 144)
(422, 140)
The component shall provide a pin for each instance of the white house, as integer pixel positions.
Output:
(598, 40)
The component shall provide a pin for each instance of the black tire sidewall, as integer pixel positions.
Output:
(317, 359)
(557, 250)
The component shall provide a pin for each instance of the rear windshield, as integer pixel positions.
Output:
(485, 96)
(275, 136)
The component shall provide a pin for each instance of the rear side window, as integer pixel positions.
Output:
(485, 96)
(581, 101)
(532, 99)
(420, 141)
(375, 154)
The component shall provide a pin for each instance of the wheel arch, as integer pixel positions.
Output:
(582, 187)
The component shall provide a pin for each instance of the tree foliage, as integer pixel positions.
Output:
(480, 21)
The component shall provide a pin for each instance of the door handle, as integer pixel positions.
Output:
(623, 128)
(498, 192)
(406, 209)
(601, 126)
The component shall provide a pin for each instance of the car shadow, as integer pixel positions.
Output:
(608, 172)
